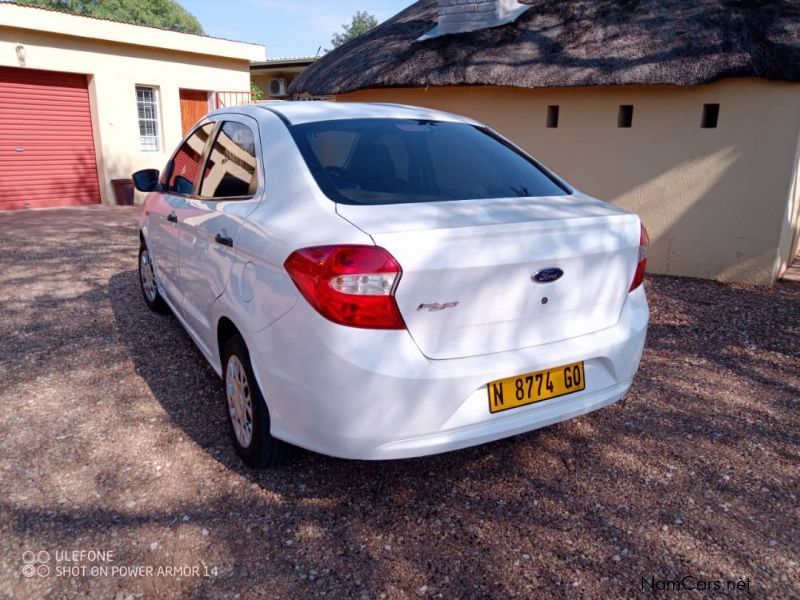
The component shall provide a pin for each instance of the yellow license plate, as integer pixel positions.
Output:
(514, 392)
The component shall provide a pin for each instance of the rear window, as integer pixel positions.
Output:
(393, 161)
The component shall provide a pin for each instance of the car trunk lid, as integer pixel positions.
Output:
(468, 284)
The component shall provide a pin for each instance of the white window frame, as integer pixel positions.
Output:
(149, 143)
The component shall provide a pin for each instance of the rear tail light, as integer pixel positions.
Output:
(638, 277)
(348, 284)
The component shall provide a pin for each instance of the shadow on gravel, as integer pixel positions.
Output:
(345, 499)
(694, 472)
(187, 387)
(661, 484)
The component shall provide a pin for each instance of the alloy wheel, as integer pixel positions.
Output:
(147, 276)
(240, 404)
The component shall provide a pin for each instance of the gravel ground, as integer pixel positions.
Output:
(113, 441)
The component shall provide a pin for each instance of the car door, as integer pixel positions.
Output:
(178, 182)
(227, 193)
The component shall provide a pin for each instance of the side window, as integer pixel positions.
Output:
(231, 168)
(185, 166)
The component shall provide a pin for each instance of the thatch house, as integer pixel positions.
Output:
(686, 112)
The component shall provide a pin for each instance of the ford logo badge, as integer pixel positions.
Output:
(547, 275)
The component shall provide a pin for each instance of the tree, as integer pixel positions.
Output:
(255, 91)
(362, 22)
(167, 14)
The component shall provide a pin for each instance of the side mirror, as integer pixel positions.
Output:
(146, 180)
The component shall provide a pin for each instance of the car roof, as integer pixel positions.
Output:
(299, 112)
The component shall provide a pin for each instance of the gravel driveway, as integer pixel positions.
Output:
(113, 444)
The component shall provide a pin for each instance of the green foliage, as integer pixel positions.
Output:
(166, 14)
(255, 91)
(362, 22)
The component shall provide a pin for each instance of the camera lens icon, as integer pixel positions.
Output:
(30, 568)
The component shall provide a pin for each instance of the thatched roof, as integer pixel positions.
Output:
(573, 43)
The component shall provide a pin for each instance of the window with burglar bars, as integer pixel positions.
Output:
(147, 105)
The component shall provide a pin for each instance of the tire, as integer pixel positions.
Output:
(248, 417)
(147, 282)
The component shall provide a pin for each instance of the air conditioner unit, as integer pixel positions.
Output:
(277, 88)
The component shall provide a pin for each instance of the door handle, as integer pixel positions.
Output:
(172, 217)
(224, 240)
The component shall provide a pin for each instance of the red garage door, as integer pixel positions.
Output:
(46, 146)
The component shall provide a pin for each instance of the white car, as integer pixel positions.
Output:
(378, 281)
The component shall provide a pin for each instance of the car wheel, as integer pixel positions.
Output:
(147, 281)
(248, 417)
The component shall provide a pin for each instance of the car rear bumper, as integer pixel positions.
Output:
(513, 423)
(366, 394)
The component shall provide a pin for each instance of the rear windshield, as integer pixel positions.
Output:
(393, 161)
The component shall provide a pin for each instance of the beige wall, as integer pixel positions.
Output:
(715, 201)
(114, 69)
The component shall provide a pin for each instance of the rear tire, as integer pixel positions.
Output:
(248, 417)
(147, 282)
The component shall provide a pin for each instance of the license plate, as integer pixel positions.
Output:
(514, 392)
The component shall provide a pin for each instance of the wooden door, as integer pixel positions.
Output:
(194, 106)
